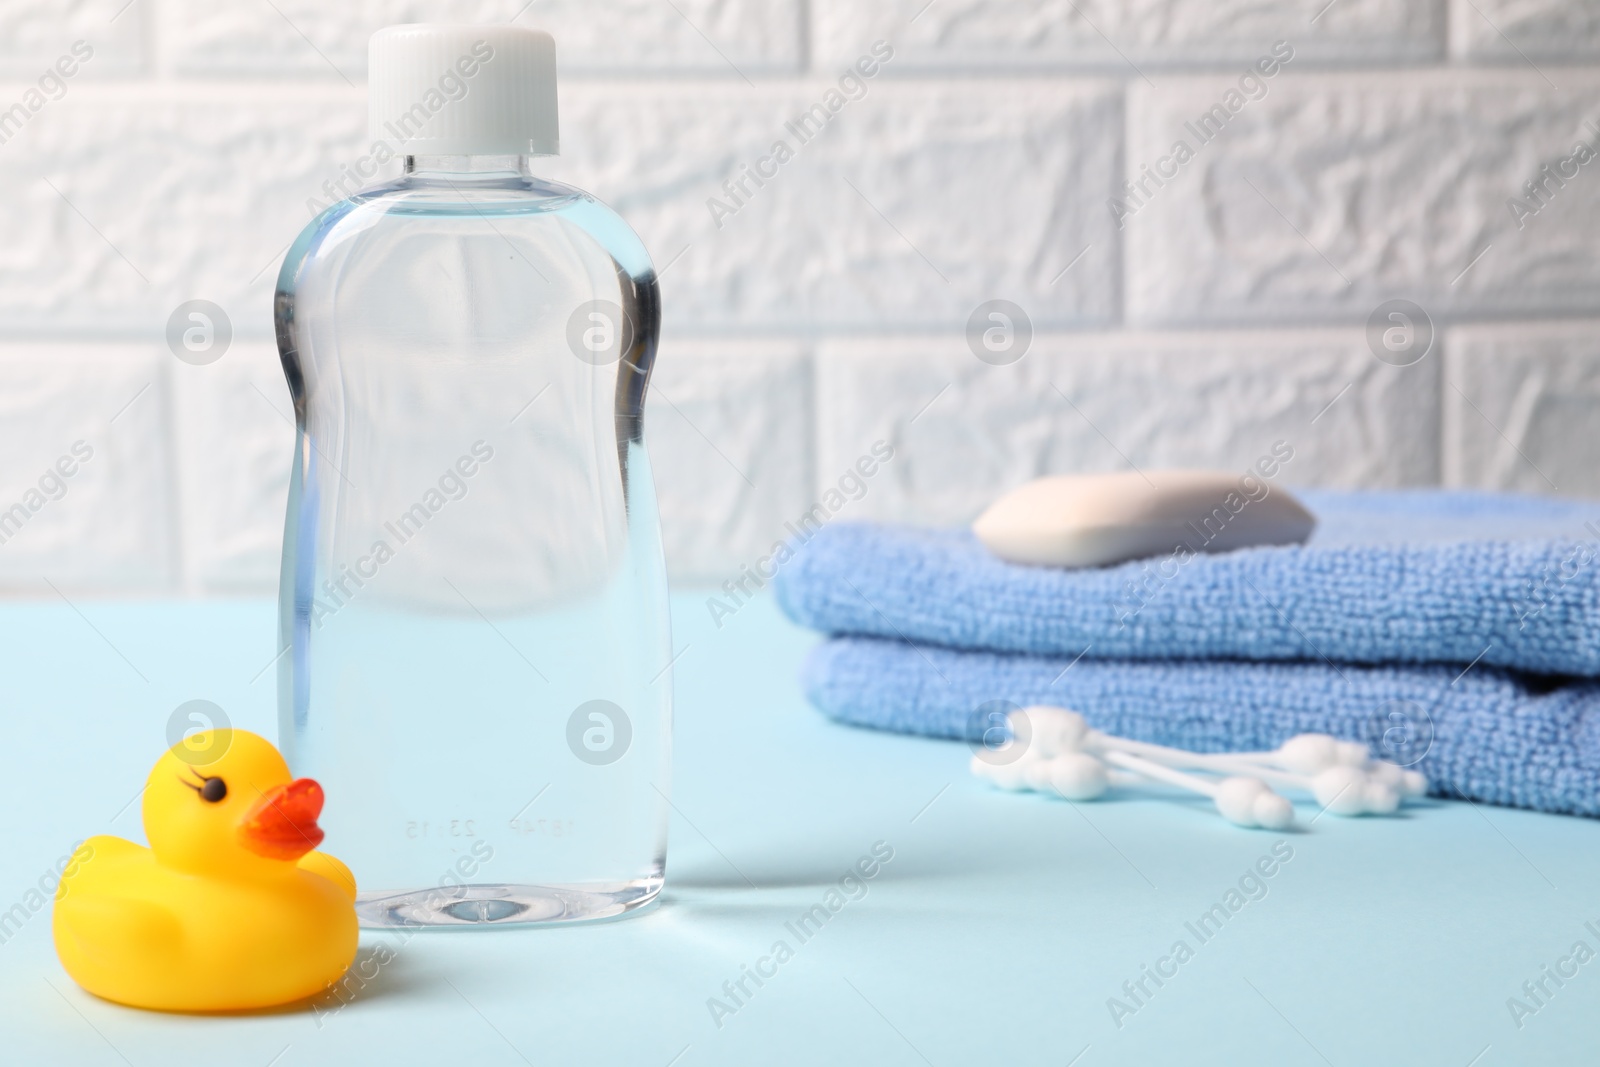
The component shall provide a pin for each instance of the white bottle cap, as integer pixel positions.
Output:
(463, 90)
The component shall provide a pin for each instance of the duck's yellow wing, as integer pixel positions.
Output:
(97, 861)
(98, 920)
(332, 869)
(108, 931)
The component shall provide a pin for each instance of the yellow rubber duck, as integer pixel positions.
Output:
(229, 908)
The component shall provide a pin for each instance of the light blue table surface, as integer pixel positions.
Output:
(995, 935)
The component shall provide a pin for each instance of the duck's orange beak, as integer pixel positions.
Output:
(282, 825)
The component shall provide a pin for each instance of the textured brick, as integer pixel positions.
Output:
(165, 197)
(1521, 406)
(318, 39)
(124, 203)
(111, 528)
(965, 431)
(1520, 31)
(34, 35)
(919, 201)
(729, 427)
(1335, 193)
(1124, 36)
(914, 204)
(235, 447)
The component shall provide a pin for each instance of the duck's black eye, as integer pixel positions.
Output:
(214, 790)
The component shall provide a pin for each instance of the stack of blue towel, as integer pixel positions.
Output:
(1458, 632)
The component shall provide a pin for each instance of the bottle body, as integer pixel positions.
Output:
(476, 658)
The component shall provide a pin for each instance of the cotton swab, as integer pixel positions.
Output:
(1309, 756)
(1077, 775)
(1306, 754)
(1312, 754)
(1053, 731)
(1062, 754)
(1341, 789)
(1242, 801)
(1407, 782)
(1004, 775)
(1081, 776)
(1327, 772)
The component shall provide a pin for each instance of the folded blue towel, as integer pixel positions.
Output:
(1488, 734)
(1393, 577)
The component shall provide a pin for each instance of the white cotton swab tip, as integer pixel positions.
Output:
(1036, 772)
(1078, 776)
(1406, 782)
(1339, 790)
(1310, 753)
(1346, 790)
(1050, 731)
(1352, 753)
(1251, 802)
(1000, 775)
(1381, 798)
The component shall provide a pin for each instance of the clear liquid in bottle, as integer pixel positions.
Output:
(473, 599)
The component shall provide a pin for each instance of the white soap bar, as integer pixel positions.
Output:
(1088, 520)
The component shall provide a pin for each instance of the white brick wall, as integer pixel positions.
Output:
(1519, 407)
(1122, 36)
(105, 520)
(34, 35)
(234, 38)
(729, 430)
(232, 474)
(1084, 402)
(1508, 30)
(1226, 308)
(1335, 192)
(957, 196)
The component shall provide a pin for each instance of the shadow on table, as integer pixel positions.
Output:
(380, 972)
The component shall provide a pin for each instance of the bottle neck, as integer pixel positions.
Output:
(472, 168)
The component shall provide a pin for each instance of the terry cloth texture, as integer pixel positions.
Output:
(1387, 578)
(1486, 733)
(1456, 632)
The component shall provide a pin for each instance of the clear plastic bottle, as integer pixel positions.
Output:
(473, 612)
